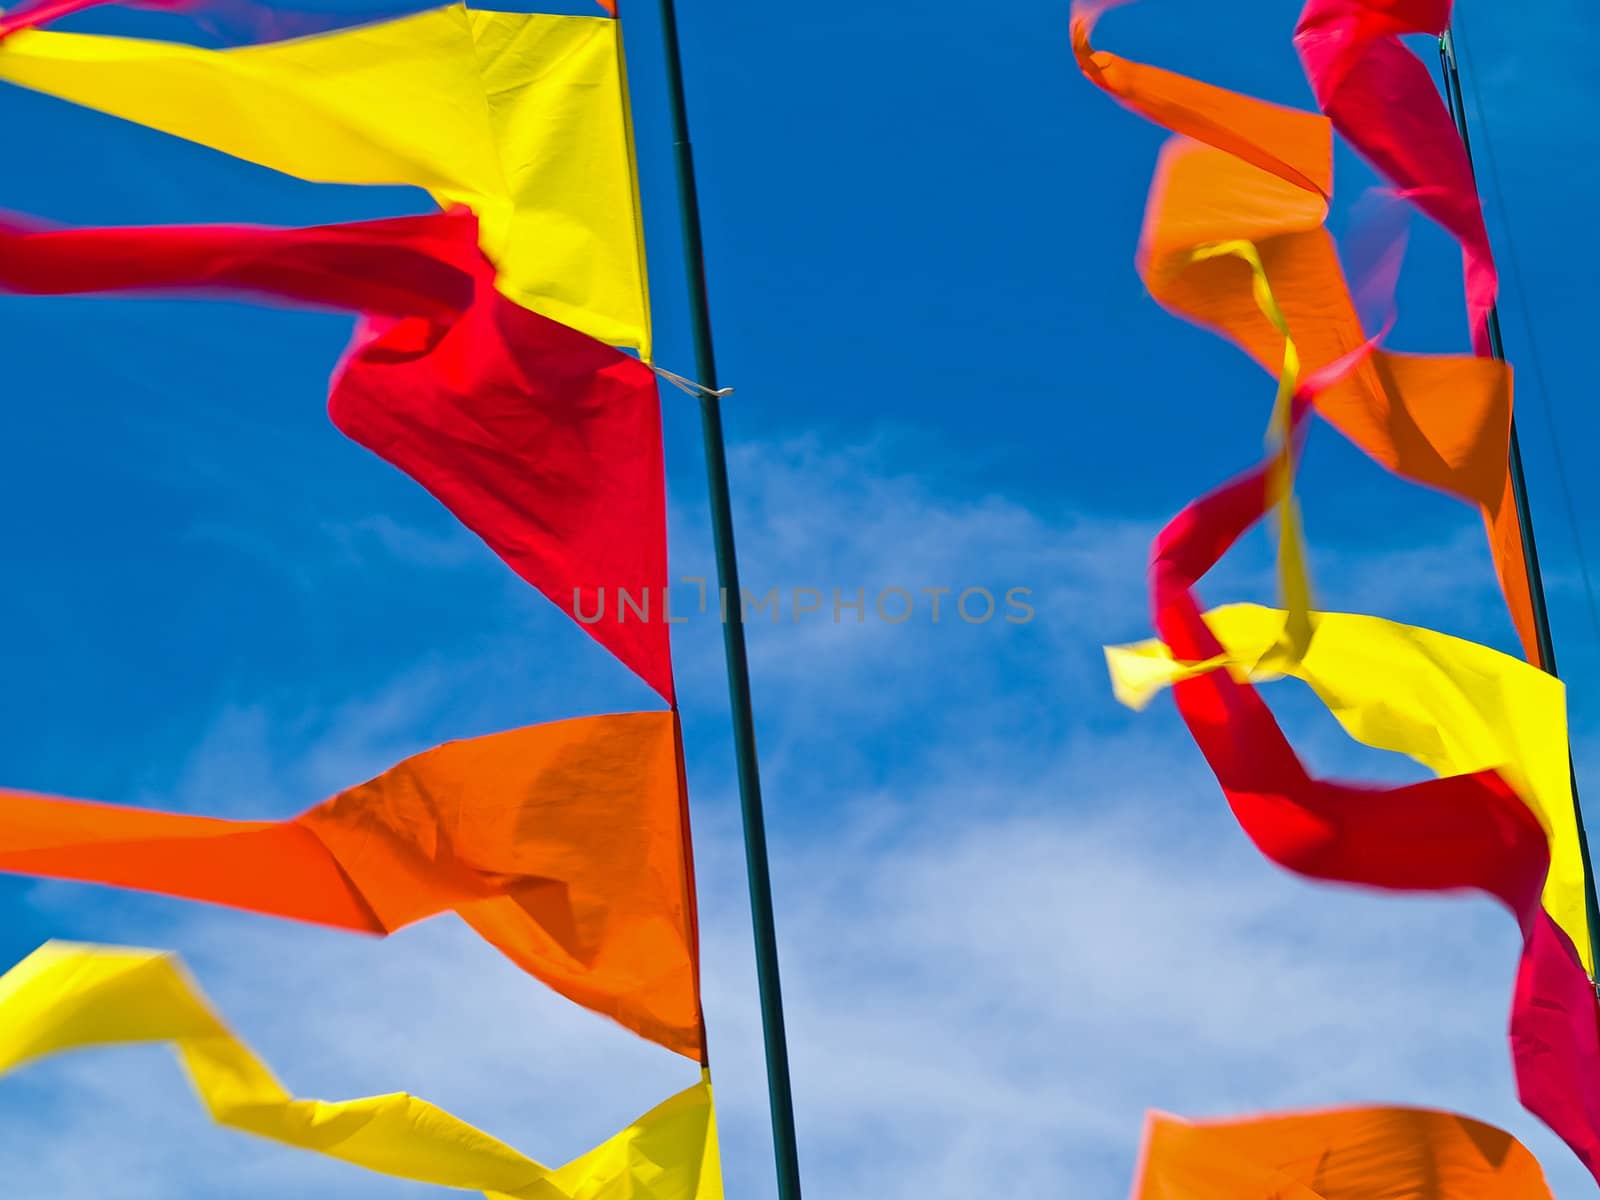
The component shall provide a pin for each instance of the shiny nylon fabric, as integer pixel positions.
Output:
(544, 442)
(1452, 705)
(1468, 831)
(520, 116)
(1252, 173)
(1262, 173)
(560, 844)
(1340, 1154)
(278, 20)
(1296, 392)
(566, 845)
(398, 267)
(67, 997)
(1382, 99)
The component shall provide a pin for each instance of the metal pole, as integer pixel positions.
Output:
(1519, 491)
(744, 732)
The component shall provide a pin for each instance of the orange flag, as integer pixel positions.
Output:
(1346, 1154)
(1258, 172)
(562, 845)
(1294, 145)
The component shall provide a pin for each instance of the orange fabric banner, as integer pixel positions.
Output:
(1346, 1154)
(561, 844)
(1294, 145)
(1254, 171)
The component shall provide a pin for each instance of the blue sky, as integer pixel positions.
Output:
(1012, 916)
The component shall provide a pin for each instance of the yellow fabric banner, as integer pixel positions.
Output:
(1452, 705)
(1294, 583)
(522, 116)
(65, 996)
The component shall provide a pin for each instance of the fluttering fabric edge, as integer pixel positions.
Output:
(1382, 99)
(520, 116)
(261, 22)
(1340, 1154)
(1452, 705)
(1470, 831)
(69, 996)
(560, 844)
(1437, 420)
(543, 441)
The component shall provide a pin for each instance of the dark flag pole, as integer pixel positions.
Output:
(784, 1145)
(1519, 486)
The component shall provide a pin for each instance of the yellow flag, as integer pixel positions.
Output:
(522, 116)
(670, 1153)
(65, 996)
(1454, 706)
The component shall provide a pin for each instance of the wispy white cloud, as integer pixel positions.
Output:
(453, 547)
(1012, 916)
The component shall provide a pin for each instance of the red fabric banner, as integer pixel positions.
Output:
(1468, 832)
(234, 21)
(543, 441)
(1383, 100)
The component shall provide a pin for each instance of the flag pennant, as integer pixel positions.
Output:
(1293, 145)
(67, 996)
(561, 845)
(1254, 171)
(520, 116)
(233, 22)
(1465, 831)
(1452, 705)
(544, 442)
(488, 365)
(398, 267)
(1382, 99)
(1340, 1154)
(1234, 240)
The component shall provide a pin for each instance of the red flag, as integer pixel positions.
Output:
(1462, 832)
(543, 441)
(1380, 96)
(398, 267)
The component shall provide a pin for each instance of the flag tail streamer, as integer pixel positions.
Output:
(1236, 219)
(520, 116)
(1380, 96)
(1470, 831)
(561, 845)
(1339, 1154)
(541, 440)
(1298, 389)
(68, 996)
(34, 14)
(1452, 705)
(1247, 170)
(396, 267)
(1293, 145)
